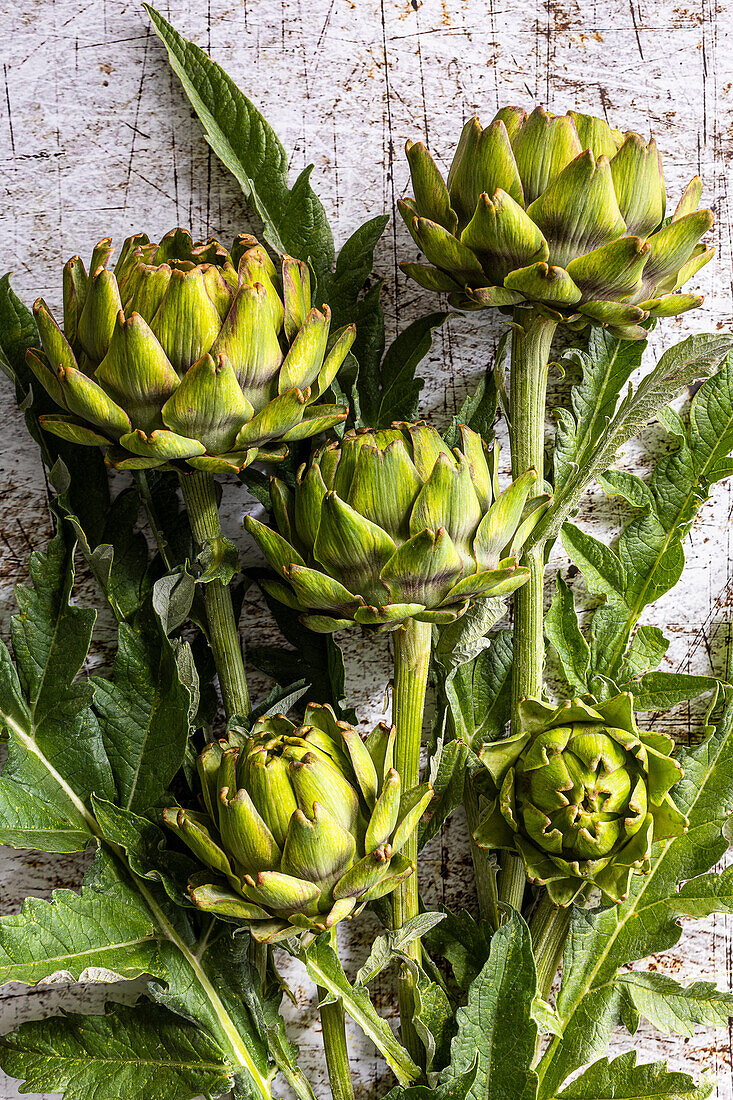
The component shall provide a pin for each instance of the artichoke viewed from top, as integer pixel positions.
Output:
(390, 525)
(557, 211)
(187, 352)
(581, 793)
(303, 825)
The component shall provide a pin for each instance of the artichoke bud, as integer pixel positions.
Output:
(303, 824)
(541, 209)
(581, 793)
(391, 524)
(203, 357)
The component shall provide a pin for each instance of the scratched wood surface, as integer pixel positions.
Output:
(97, 139)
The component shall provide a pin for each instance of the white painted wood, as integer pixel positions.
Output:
(98, 139)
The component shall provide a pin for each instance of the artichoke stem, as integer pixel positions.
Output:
(333, 1026)
(532, 335)
(199, 493)
(549, 928)
(412, 644)
(483, 864)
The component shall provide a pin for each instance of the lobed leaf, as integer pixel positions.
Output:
(497, 1023)
(142, 1051)
(623, 1079)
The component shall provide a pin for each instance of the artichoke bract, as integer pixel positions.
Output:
(559, 211)
(581, 793)
(303, 826)
(188, 353)
(389, 525)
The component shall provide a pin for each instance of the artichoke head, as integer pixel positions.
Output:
(303, 825)
(188, 353)
(390, 524)
(581, 793)
(560, 212)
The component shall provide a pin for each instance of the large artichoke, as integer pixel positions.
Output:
(582, 794)
(559, 211)
(391, 524)
(303, 825)
(188, 352)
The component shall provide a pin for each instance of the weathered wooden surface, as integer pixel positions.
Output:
(97, 139)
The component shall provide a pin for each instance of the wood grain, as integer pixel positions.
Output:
(98, 139)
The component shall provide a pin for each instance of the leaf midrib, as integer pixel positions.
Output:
(49, 959)
(227, 1025)
(640, 602)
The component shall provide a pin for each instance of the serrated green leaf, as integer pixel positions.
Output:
(706, 894)
(142, 1051)
(56, 755)
(607, 365)
(623, 1079)
(464, 943)
(447, 768)
(103, 933)
(649, 552)
(400, 389)
(564, 635)
(478, 411)
(674, 1008)
(146, 848)
(144, 713)
(664, 690)
(603, 572)
(293, 218)
(388, 944)
(696, 357)
(497, 1022)
(457, 1089)
(648, 647)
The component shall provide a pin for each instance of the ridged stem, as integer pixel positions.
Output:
(531, 342)
(333, 1026)
(484, 871)
(412, 644)
(199, 493)
(549, 928)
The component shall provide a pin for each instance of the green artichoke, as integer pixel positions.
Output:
(559, 211)
(581, 793)
(303, 826)
(391, 524)
(188, 353)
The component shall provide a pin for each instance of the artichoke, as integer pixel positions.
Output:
(390, 524)
(559, 211)
(303, 826)
(188, 353)
(581, 793)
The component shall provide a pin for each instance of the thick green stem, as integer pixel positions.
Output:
(531, 341)
(199, 493)
(333, 1026)
(549, 927)
(411, 662)
(484, 867)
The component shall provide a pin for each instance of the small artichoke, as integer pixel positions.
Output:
(391, 524)
(303, 826)
(559, 211)
(188, 352)
(581, 793)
